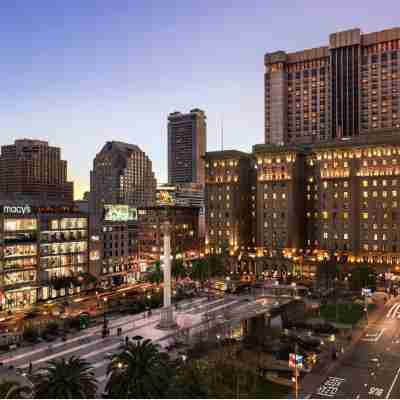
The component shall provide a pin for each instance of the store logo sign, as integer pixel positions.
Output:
(22, 210)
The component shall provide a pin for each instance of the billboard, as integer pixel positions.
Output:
(166, 197)
(119, 212)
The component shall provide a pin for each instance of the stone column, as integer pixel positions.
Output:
(167, 318)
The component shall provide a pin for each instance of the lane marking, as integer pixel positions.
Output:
(393, 383)
(375, 337)
(61, 353)
(393, 311)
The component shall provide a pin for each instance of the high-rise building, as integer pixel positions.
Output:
(346, 89)
(122, 179)
(187, 143)
(34, 171)
(122, 175)
(335, 200)
(227, 202)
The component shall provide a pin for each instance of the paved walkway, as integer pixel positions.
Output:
(326, 365)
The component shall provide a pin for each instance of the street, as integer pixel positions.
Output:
(90, 345)
(372, 368)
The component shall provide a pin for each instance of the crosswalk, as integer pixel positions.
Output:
(394, 311)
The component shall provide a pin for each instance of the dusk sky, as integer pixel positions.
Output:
(79, 73)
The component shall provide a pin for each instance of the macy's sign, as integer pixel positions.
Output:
(17, 210)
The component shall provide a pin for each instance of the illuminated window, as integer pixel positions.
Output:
(365, 194)
(384, 193)
(325, 235)
(345, 236)
(345, 195)
(375, 236)
(346, 215)
(283, 195)
(365, 183)
(365, 215)
(374, 193)
(384, 182)
(325, 214)
(325, 184)
(345, 184)
(394, 193)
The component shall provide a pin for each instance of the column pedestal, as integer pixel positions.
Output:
(167, 321)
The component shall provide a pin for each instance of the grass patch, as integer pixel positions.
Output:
(349, 313)
(269, 390)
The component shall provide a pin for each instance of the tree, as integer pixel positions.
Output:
(155, 273)
(216, 265)
(178, 269)
(73, 379)
(327, 272)
(139, 371)
(200, 271)
(363, 277)
(190, 381)
(14, 390)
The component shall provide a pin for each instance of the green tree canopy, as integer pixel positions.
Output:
(65, 379)
(139, 371)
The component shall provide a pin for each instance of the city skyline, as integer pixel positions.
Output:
(68, 82)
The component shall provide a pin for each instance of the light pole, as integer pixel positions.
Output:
(105, 317)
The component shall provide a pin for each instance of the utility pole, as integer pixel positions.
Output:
(296, 372)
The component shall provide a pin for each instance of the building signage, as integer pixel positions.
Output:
(27, 209)
(119, 213)
(20, 210)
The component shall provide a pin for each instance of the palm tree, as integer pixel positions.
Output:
(200, 271)
(155, 273)
(14, 390)
(178, 269)
(66, 379)
(139, 371)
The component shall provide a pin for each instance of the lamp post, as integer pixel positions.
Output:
(104, 317)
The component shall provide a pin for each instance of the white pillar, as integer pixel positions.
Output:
(167, 264)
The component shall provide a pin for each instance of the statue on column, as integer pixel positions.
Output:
(167, 317)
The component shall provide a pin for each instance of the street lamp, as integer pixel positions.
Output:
(105, 317)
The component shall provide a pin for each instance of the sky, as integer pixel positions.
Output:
(79, 73)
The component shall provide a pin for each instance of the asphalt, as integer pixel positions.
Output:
(370, 368)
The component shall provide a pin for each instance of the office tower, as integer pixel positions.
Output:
(187, 144)
(346, 89)
(122, 175)
(227, 202)
(31, 170)
(122, 179)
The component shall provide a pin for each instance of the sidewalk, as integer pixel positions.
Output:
(326, 365)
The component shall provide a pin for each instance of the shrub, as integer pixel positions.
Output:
(30, 334)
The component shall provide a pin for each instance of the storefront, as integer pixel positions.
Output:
(19, 298)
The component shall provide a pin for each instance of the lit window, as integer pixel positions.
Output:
(345, 236)
(345, 195)
(394, 193)
(325, 184)
(365, 183)
(365, 215)
(365, 194)
(384, 193)
(325, 235)
(325, 214)
(345, 215)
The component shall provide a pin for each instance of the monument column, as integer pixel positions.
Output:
(167, 318)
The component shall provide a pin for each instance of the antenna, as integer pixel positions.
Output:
(222, 134)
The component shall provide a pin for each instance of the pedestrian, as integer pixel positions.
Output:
(30, 368)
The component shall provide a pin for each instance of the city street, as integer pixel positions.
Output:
(371, 369)
(90, 345)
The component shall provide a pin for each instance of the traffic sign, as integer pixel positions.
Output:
(295, 360)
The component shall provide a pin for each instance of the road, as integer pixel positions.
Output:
(90, 345)
(371, 370)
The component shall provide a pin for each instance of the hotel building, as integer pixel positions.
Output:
(349, 88)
